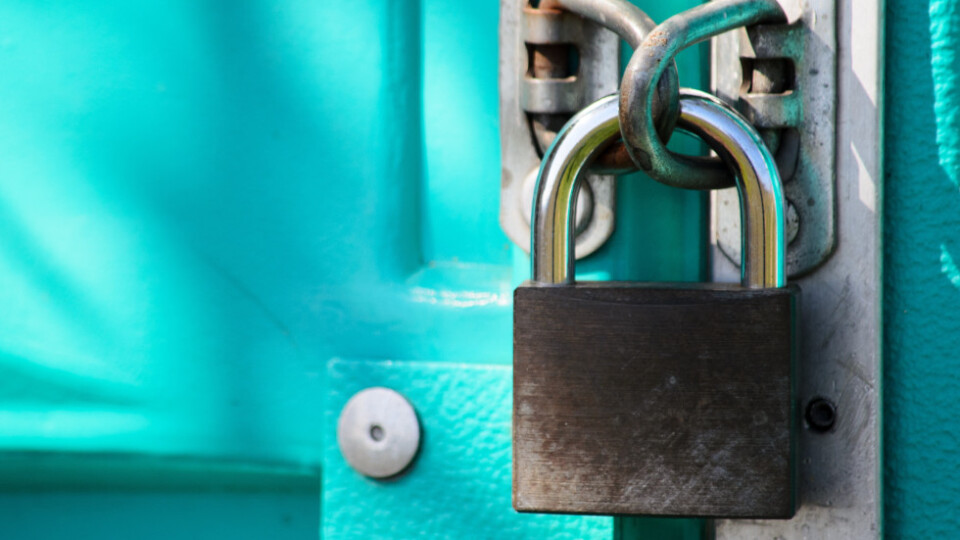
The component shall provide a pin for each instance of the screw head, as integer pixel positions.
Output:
(378, 432)
(821, 414)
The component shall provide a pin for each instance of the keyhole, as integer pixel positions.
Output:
(376, 433)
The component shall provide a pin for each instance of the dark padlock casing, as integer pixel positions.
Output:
(656, 399)
(659, 399)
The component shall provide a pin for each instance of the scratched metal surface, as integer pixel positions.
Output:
(687, 407)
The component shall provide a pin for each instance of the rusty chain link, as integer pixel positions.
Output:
(632, 25)
(640, 88)
(649, 91)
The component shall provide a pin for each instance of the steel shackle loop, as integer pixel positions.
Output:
(633, 25)
(594, 128)
(645, 69)
(582, 138)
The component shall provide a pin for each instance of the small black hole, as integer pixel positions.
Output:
(821, 414)
(376, 433)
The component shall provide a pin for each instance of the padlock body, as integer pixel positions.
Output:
(655, 399)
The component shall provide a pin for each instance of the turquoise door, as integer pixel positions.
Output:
(218, 221)
(221, 220)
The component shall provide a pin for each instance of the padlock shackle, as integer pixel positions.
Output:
(760, 190)
(552, 224)
(593, 129)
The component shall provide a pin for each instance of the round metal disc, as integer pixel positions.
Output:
(378, 432)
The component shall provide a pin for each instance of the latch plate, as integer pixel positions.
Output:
(800, 120)
(522, 96)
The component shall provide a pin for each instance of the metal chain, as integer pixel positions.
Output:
(649, 91)
(640, 85)
(633, 25)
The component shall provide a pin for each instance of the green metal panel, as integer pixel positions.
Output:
(159, 515)
(203, 203)
(459, 486)
(922, 280)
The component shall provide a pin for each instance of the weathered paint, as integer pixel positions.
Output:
(921, 293)
(202, 204)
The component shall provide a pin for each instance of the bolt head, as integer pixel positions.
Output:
(378, 432)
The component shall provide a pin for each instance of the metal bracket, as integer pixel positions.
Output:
(783, 79)
(840, 380)
(552, 64)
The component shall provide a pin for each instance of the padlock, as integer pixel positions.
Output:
(671, 399)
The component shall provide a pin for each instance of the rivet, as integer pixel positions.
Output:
(378, 432)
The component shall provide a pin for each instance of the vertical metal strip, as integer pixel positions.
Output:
(840, 470)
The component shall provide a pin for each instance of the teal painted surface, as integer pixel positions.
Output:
(159, 516)
(922, 284)
(203, 203)
(458, 487)
(635, 528)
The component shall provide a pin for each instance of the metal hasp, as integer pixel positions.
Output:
(841, 479)
(552, 64)
(783, 79)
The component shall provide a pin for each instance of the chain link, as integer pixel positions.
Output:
(649, 91)
(640, 85)
(632, 25)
